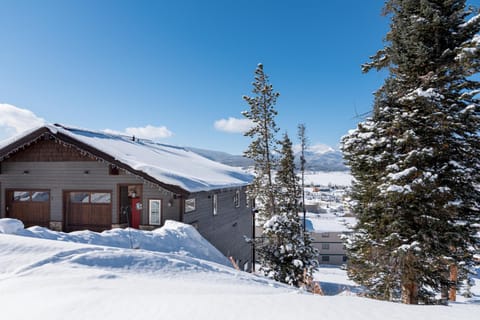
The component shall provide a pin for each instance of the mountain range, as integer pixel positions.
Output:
(318, 158)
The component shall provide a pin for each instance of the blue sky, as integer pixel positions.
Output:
(181, 66)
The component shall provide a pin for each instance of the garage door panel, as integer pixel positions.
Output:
(32, 207)
(90, 210)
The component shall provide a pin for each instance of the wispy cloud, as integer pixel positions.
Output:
(233, 125)
(147, 132)
(14, 120)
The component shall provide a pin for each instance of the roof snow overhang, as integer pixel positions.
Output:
(46, 133)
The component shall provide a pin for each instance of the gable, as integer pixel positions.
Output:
(47, 150)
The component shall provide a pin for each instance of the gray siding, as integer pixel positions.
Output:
(226, 230)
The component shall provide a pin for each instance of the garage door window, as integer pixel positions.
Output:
(91, 197)
(100, 197)
(34, 196)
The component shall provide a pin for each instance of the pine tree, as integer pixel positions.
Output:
(303, 147)
(286, 178)
(262, 113)
(415, 160)
(287, 256)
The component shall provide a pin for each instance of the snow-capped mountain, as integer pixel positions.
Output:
(319, 157)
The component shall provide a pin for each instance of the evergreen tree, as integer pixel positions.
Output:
(415, 160)
(287, 256)
(303, 147)
(286, 178)
(260, 150)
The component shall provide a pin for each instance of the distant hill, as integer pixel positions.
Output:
(223, 157)
(319, 158)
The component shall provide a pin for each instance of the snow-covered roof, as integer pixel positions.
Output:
(327, 222)
(166, 164)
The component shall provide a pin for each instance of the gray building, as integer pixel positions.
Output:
(70, 179)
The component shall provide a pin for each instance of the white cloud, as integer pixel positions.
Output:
(15, 120)
(147, 132)
(233, 125)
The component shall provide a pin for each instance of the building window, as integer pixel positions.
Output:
(325, 258)
(215, 204)
(325, 246)
(155, 212)
(236, 199)
(190, 205)
(325, 235)
(344, 259)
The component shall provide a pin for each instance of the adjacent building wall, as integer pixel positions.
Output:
(228, 228)
(330, 246)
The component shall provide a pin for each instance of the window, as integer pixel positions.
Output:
(190, 205)
(113, 170)
(344, 259)
(236, 199)
(91, 197)
(21, 196)
(155, 212)
(34, 196)
(79, 197)
(325, 258)
(40, 196)
(325, 246)
(100, 197)
(215, 205)
(325, 235)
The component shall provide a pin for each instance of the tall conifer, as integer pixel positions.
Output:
(415, 160)
(261, 150)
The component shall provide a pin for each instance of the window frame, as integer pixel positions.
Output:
(150, 212)
(325, 246)
(215, 204)
(187, 206)
(325, 258)
(236, 199)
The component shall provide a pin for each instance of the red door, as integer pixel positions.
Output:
(136, 209)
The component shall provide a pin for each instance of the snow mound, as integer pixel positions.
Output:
(173, 237)
(10, 226)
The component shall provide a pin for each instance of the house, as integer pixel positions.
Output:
(327, 232)
(71, 179)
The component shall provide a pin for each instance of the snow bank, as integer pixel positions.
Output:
(173, 237)
(10, 226)
(45, 279)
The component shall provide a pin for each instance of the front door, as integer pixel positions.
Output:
(130, 205)
(136, 211)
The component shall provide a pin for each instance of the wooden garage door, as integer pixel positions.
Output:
(30, 206)
(90, 210)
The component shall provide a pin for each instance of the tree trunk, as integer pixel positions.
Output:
(409, 292)
(452, 293)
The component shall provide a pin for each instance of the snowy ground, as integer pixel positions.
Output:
(73, 277)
